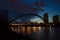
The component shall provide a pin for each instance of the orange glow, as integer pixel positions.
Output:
(12, 28)
(19, 29)
(23, 29)
(34, 29)
(28, 29)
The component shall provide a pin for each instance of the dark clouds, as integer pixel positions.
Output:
(21, 7)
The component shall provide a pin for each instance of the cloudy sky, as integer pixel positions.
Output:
(20, 7)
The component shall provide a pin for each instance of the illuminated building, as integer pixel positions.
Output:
(56, 19)
(45, 18)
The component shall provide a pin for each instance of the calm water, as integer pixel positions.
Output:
(41, 34)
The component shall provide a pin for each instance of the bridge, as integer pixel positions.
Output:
(30, 25)
(26, 15)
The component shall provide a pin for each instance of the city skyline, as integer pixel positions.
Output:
(52, 8)
(30, 19)
(39, 19)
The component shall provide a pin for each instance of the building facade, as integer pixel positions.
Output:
(46, 18)
(56, 19)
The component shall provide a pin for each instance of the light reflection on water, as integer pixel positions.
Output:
(29, 29)
(38, 33)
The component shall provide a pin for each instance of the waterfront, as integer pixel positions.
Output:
(37, 33)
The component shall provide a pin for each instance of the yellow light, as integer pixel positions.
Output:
(12, 24)
(28, 29)
(12, 28)
(34, 29)
(23, 29)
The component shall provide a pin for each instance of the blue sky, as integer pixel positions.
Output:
(14, 8)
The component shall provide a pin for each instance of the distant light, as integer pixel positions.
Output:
(39, 28)
(12, 28)
(34, 28)
(13, 24)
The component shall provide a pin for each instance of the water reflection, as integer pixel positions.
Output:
(29, 29)
(37, 33)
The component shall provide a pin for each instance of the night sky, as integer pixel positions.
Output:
(20, 7)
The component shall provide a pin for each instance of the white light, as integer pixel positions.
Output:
(12, 24)
(15, 24)
(39, 28)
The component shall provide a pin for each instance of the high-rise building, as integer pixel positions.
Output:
(46, 29)
(56, 19)
(46, 18)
